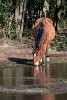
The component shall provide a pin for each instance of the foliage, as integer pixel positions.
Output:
(34, 9)
(7, 21)
(5, 13)
(61, 41)
(52, 8)
(59, 10)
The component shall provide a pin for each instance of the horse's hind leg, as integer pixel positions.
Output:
(45, 56)
(42, 60)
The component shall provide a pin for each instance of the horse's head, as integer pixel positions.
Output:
(37, 55)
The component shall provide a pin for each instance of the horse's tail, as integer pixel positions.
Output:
(40, 36)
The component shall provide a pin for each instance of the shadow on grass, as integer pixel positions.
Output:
(21, 61)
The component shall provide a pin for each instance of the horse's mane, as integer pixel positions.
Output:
(40, 35)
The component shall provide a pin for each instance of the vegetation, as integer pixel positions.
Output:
(18, 16)
(60, 41)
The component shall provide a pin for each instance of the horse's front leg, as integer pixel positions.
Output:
(43, 59)
(43, 56)
(47, 56)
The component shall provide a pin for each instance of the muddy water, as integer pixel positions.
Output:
(47, 82)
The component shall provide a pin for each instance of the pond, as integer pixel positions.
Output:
(47, 82)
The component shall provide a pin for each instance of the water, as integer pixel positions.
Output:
(47, 82)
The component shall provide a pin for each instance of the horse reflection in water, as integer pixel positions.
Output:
(43, 32)
(42, 76)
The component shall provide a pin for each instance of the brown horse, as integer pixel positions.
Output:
(43, 32)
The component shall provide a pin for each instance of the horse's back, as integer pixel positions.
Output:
(43, 19)
(48, 28)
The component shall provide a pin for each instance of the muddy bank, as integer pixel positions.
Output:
(24, 53)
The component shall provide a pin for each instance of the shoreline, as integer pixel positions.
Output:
(20, 54)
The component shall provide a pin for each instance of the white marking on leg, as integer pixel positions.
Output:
(35, 55)
(47, 59)
(41, 60)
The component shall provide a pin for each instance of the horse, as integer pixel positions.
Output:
(43, 33)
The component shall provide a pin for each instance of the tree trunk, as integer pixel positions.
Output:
(56, 15)
(22, 13)
(19, 15)
(46, 8)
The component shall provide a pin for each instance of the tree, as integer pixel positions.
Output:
(46, 8)
(6, 16)
(19, 15)
(57, 11)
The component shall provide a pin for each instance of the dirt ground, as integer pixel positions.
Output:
(24, 51)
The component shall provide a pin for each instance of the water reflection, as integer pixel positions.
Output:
(43, 73)
(40, 97)
(11, 77)
(16, 76)
(59, 70)
(8, 96)
(32, 75)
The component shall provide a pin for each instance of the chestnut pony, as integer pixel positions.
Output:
(43, 32)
